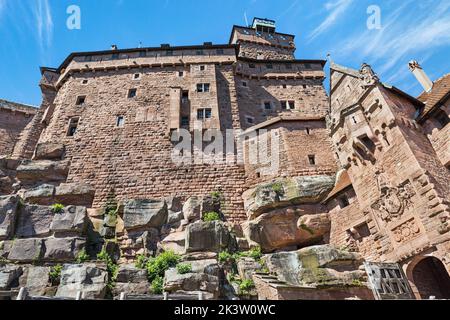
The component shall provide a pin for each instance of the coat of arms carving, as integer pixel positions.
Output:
(393, 200)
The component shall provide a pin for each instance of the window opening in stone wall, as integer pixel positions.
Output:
(363, 231)
(442, 118)
(85, 81)
(267, 105)
(185, 96)
(308, 131)
(203, 87)
(132, 93)
(184, 121)
(81, 100)
(204, 113)
(202, 68)
(312, 160)
(73, 125)
(120, 122)
(244, 83)
(136, 76)
(343, 201)
(250, 120)
(368, 143)
(180, 74)
(284, 86)
(353, 118)
(288, 105)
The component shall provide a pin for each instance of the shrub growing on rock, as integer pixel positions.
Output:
(246, 286)
(54, 274)
(57, 208)
(211, 216)
(141, 261)
(157, 286)
(184, 268)
(156, 267)
(82, 256)
(111, 267)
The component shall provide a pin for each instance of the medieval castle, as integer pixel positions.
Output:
(357, 206)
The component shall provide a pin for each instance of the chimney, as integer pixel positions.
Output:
(114, 47)
(421, 76)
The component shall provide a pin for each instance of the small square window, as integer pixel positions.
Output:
(312, 160)
(132, 93)
(250, 120)
(284, 86)
(202, 68)
(252, 66)
(81, 100)
(85, 81)
(203, 114)
(267, 105)
(269, 66)
(136, 76)
(442, 117)
(244, 83)
(181, 74)
(120, 122)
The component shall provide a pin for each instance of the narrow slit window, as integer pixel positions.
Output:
(184, 121)
(185, 96)
(181, 74)
(312, 160)
(343, 201)
(73, 125)
(308, 131)
(120, 121)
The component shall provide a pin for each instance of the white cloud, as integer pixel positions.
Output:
(336, 10)
(44, 23)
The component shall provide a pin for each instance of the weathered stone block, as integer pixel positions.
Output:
(9, 276)
(33, 221)
(49, 151)
(246, 267)
(87, 278)
(173, 281)
(42, 195)
(192, 209)
(37, 280)
(26, 250)
(208, 236)
(62, 249)
(128, 273)
(72, 219)
(145, 213)
(77, 194)
(174, 242)
(42, 171)
(8, 211)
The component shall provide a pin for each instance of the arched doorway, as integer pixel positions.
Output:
(431, 279)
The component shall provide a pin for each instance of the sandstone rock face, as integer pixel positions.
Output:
(26, 250)
(78, 194)
(42, 171)
(286, 192)
(174, 242)
(62, 249)
(131, 280)
(73, 220)
(37, 280)
(190, 282)
(208, 236)
(195, 207)
(8, 209)
(87, 278)
(283, 228)
(318, 266)
(145, 213)
(34, 221)
(9, 276)
(246, 267)
(208, 266)
(41, 195)
(49, 151)
(139, 242)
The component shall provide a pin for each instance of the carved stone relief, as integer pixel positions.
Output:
(406, 231)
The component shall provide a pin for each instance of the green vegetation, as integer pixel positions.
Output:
(216, 194)
(184, 268)
(3, 261)
(278, 188)
(156, 267)
(57, 208)
(226, 257)
(111, 267)
(141, 261)
(157, 286)
(246, 286)
(211, 216)
(82, 256)
(54, 275)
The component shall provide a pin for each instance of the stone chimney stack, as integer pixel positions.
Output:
(421, 76)
(114, 47)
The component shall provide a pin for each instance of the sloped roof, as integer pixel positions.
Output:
(441, 89)
(342, 183)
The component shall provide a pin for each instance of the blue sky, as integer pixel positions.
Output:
(33, 33)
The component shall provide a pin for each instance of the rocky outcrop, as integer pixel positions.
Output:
(195, 207)
(49, 151)
(173, 282)
(318, 266)
(131, 280)
(145, 214)
(26, 250)
(90, 279)
(209, 236)
(77, 194)
(71, 220)
(62, 249)
(174, 242)
(8, 209)
(34, 221)
(286, 192)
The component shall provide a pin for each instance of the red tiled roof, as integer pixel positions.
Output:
(441, 88)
